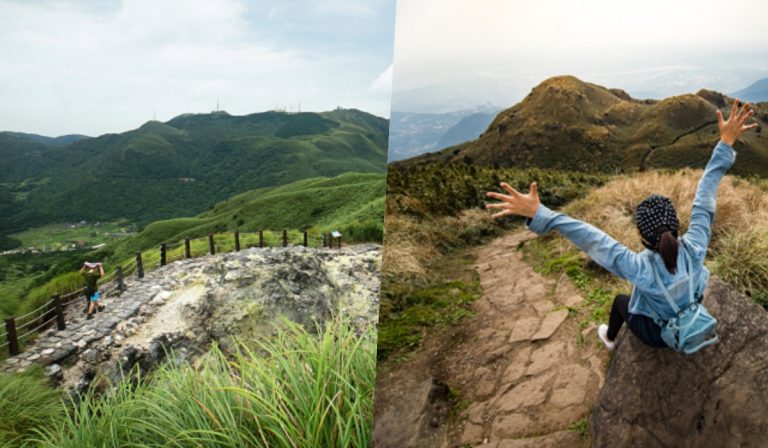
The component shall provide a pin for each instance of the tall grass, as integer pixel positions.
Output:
(295, 389)
(26, 402)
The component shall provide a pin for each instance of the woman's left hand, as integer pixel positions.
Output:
(515, 203)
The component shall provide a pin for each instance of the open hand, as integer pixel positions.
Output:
(731, 129)
(515, 203)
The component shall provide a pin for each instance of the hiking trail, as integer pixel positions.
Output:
(523, 377)
(191, 303)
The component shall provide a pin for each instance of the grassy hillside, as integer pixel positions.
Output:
(181, 167)
(568, 124)
(352, 202)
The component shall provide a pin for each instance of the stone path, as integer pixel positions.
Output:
(523, 377)
(537, 379)
(53, 346)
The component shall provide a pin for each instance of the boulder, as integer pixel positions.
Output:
(717, 397)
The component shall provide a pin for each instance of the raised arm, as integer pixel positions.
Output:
(602, 248)
(699, 231)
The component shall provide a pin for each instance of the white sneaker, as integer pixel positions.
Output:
(602, 333)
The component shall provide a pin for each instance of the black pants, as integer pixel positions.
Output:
(642, 326)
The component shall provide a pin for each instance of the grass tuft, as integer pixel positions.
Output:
(297, 388)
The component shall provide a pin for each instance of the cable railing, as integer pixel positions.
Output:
(25, 327)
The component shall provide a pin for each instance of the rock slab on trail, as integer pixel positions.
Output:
(717, 397)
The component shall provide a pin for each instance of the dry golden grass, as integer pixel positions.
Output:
(412, 244)
(739, 235)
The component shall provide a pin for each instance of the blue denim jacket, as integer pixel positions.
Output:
(638, 267)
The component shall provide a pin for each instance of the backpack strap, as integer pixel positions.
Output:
(665, 291)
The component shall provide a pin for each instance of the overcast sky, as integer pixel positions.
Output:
(92, 67)
(453, 54)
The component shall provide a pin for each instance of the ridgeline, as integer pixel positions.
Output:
(181, 167)
(568, 124)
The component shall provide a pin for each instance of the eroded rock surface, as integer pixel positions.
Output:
(189, 304)
(717, 397)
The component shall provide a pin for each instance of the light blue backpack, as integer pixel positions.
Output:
(692, 328)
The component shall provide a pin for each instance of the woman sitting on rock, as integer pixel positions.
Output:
(658, 225)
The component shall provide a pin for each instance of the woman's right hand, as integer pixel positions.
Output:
(515, 203)
(731, 129)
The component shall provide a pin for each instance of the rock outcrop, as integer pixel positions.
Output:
(717, 397)
(184, 307)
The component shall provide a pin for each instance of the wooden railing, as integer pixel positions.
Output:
(25, 327)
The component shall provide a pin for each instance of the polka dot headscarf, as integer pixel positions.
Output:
(654, 212)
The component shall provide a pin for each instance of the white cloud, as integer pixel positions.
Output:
(383, 82)
(504, 48)
(67, 68)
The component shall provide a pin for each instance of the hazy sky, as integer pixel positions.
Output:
(93, 67)
(451, 54)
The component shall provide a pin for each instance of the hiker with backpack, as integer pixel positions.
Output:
(91, 277)
(668, 277)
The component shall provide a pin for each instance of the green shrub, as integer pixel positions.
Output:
(411, 313)
(62, 284)
(366, 231)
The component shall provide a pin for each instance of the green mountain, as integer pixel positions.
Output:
(181, 167)
(352, 203)
(55, 141)
(568, 124)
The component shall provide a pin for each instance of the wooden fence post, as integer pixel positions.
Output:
(305, 239)
(60, 324)
(187, 250)
(163, 254)
(261, 238)
(139, 265)
(325, 240)
(120, 279)
(237, 241)
(211, 245)
(285, 238)
(13, 342)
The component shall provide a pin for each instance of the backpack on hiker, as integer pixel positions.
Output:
(692, 328)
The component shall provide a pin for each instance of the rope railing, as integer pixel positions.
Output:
(108, 278)
(35, 330)
(59, 307)
(46, 306)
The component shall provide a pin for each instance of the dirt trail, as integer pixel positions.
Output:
(524, 378)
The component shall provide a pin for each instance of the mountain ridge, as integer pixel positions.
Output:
(755, 92)
(182, 166)
(569, 124)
